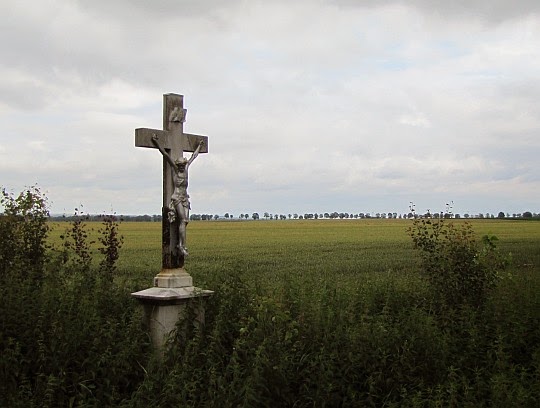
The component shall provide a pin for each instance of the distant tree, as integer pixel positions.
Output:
(255, 216)
(500, 215)
(295, 216)
(216, 217)
(226, 215)
(527, 214)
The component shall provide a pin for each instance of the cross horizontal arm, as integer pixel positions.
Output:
(143, 138)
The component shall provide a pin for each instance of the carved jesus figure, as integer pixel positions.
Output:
(179, 206)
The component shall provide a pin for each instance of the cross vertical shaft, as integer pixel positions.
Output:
(170, 258)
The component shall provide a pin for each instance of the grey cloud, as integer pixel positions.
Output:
(305, 103)
(491, 11)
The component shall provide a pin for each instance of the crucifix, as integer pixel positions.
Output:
(171, 143)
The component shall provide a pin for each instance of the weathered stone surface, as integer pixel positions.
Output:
(164, 296)
(173, 278)
(188, 143)
(163, 307)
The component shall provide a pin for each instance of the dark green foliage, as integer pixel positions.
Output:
(66, 338)
(76, 241)
(111, 242)
(459, 269)
(377, 347)
(23, 230)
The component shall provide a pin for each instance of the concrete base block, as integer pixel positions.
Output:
(165, 306)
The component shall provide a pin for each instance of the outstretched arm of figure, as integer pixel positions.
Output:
(196, 152)
(155, 142)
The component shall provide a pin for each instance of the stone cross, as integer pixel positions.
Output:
(174, 142)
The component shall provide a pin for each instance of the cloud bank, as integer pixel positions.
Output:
(357, 106)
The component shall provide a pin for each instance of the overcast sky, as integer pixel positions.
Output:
(310, 105)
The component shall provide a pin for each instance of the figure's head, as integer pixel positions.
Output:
(181, 162)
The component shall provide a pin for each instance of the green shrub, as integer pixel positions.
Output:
(459, 269)
(111, 242)
(68, 335)
(23, 232)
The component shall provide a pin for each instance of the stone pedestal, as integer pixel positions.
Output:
(165, 304)
(173, 278)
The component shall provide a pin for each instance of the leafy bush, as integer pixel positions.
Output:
(69, 336)
(23, 231)
(460, 270)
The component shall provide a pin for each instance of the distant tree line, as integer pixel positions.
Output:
(307, 216)
(345, 215)
(100, 217)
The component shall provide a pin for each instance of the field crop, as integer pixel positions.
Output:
(331, 250)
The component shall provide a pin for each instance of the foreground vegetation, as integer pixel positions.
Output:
(306, 313)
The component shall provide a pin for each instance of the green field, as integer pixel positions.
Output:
(332, 250)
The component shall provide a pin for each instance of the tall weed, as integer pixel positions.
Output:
(459, 269)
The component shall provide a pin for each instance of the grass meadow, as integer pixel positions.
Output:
(306, 313)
